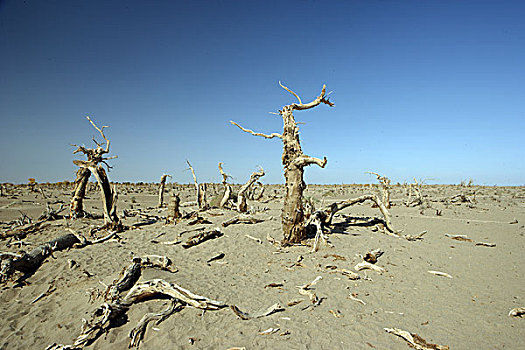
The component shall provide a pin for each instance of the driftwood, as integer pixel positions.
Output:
(161, 189)
(202, 237)
(415, 341)
(366, 265)
(294, 161)
(137, 333)
(30, 262)
(241, 195)
(249, 316)
(321, 219)
(517, 312)
(103, 317)
(439, 273)
(241, 219)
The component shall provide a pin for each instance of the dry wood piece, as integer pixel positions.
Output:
(415, 340)
(101, 319)
(270, 331)
(109, 196)
(160, 261)
(485, 244)
(385, 188)
(161, 189)
(30, 262)
(417, 237)
(459, 237)
(306, 290)
(137, 333)
(337, 206)
(248, 316)
(353, 296)
(294, 161)
(215, 257)
(348, 273)
(372, 256)
(241, 195)
(439, 273)
(202, 237)
(241, 219)
(129, 277)
(517, 312)
(366, 265)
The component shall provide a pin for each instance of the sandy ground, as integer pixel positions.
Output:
(467, 311)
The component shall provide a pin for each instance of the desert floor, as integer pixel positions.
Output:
(468, 311)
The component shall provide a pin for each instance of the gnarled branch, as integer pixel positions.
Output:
(271, 136)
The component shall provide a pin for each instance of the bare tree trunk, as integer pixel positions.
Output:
(203, 203)
(227, 188)
(161, 189)
(241, 195)
(109, 198)
(201, 190)
(79, 193)
(293, 159)
(173, 208)
(226, 197)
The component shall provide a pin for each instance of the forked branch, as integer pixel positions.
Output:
(101, 131)
(322, 98)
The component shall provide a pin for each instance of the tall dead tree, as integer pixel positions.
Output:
(201, 190)
(294, 161)
(227, 187)
(241, 195)
(94, 163)
(385, 188)
(161, 189)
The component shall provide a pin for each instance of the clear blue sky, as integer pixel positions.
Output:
(426, 89)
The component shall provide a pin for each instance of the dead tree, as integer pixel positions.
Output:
(95, 159)
(385, 188)
(241, 195)
(161, 189)
(227, 187)
(414, 189)
(173, 208)
(294, 161)
(201, 190)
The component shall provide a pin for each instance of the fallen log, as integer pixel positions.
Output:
(202, 237)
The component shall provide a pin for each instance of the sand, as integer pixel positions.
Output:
(468, 311)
